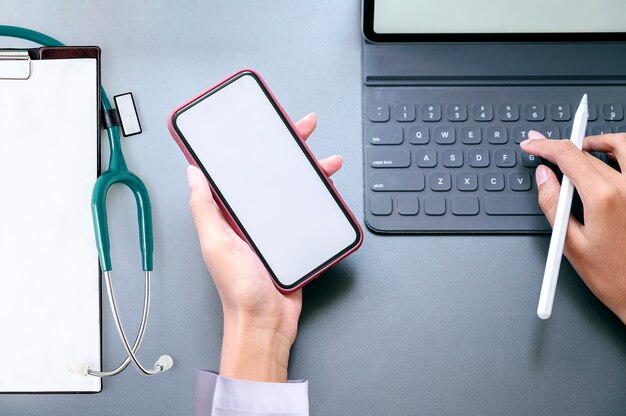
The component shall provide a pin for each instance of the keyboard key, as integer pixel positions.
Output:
(520, 133)
(534, 112)
(378, 112)
(496, 134)
(511, 205)
(478, 158)
(464, 205)
(456, 112)
(550, 132)
(408, 205)
(418, 135)
(519, 181)
(493, 181)
(385, 134)
(470, 135)
(593, 112)
(431, 112)
(397, 181)
(601, 129)
(505, 158)
(404, 112)
(440, 182)
(621, 129)
(466, 182)
(567, 134)
(444, 135)
(434, 205)
(426, 158)
(612, 112)
(452, 158)
(381, 205)
(390, 158)
(530, 161)
(508, 112)
(482, 112)
(560, 112)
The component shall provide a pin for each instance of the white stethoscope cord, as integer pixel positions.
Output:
(164, 363)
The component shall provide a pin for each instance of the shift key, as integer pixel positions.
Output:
(389, 158)
(397, 181)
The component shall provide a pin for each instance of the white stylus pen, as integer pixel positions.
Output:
(563, 208)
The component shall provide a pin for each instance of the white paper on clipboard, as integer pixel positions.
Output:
(49, 279)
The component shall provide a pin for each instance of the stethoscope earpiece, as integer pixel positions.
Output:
(77, 367)
(165, 362)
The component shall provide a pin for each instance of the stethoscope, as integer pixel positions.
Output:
(117, 173)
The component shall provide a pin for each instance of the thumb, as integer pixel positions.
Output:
(549, 189)
(210, 224)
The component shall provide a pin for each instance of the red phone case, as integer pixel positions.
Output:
(221, 204)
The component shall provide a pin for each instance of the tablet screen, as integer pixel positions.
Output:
(389, 18)
(266, 179)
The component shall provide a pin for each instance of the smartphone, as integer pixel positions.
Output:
(265, 179)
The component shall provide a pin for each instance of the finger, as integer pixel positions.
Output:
(306, 125)
(609, 143)
(549, 189)
(210, 224)
(570, 160)
(331, 164)
(605, 170)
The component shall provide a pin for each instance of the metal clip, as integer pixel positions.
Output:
(14, 64)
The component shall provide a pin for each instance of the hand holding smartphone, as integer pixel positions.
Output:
(266, 181)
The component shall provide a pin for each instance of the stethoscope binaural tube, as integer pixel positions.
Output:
(164, 362)
(117, 173)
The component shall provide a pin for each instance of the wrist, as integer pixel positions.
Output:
(254, 349)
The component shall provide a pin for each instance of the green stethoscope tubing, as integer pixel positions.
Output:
(117, 173)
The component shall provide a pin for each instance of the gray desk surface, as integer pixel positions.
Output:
(408, 325)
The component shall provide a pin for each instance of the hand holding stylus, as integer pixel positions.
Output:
(260, 323)
(561, 219)
(597, 249)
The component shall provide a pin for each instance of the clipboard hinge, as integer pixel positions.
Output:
(14, 64)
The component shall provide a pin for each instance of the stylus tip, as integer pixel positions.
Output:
(543, 315)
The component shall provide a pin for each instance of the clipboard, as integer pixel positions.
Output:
(50, 310)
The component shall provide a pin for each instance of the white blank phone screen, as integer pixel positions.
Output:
(266, 179)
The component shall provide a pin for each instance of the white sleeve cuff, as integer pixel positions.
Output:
(221, 396)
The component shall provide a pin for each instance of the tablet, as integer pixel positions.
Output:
(488, 20)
